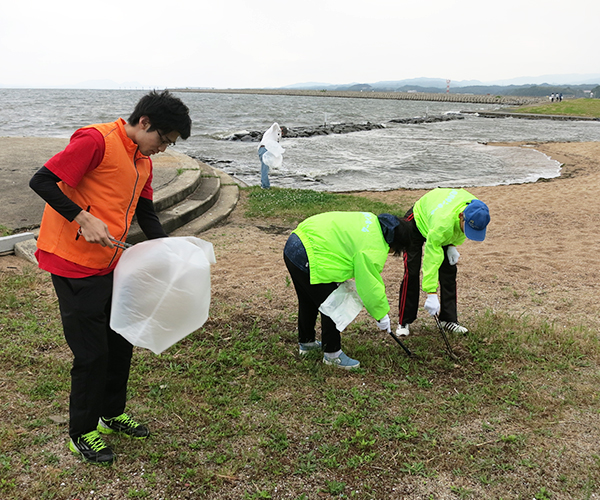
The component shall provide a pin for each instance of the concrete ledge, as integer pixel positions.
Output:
(7, 243)
(26, 250)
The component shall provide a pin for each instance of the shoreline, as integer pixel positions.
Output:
(539, 259)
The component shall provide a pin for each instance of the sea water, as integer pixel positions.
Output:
(427, 155)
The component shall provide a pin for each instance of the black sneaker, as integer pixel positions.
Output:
(123, 424)
(91, 447)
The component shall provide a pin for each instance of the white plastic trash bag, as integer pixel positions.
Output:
(272, 160)
(161, 291)
(273, 156)
(342, 305)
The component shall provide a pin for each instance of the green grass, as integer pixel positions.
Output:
(294, 205)
(237, 414)
(572, 107)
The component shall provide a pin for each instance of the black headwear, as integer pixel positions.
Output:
(388, 224)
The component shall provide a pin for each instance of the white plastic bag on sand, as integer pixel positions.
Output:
(273, 156)
(161, 291)
(342, 305)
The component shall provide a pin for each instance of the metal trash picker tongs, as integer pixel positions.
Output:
(441, 328)
(448, 346)
(401, 344)
(120, 244)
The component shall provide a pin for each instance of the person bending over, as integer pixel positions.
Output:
(441, 220)
(330, 248)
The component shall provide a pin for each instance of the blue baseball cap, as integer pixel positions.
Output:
(477, 217)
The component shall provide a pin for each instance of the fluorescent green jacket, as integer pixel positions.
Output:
(345, 245)
(436, 215)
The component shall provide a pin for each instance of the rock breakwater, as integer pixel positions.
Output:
(340, 128)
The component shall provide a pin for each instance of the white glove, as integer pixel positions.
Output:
(385, 324)
(453, 255)
(432, 304)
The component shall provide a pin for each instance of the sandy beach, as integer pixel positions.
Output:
(539, 258)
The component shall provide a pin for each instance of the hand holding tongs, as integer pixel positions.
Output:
(120, 244)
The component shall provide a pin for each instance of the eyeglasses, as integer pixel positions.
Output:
(165, 140)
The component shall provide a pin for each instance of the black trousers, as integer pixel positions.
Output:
(411, 283)
(102, 357)
(310, 297)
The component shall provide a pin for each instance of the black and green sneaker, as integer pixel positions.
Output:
(91, 447)
(123, 424)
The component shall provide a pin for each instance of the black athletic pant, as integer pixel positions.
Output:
(310, 297)
(411, 283)
(102, 357)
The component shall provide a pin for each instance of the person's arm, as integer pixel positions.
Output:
(148, 220)
(441, 233)
(83, 154)
(45, 184)
(370, 286)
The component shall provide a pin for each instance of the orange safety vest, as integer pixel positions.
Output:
(111, 191)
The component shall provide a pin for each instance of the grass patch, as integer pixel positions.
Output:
(236, 413)
(572, 107)
(294, 205)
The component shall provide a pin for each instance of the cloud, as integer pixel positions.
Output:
(269, 43)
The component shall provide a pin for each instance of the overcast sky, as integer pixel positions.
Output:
(268, 43)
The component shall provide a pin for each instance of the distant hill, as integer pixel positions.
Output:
(436, 85)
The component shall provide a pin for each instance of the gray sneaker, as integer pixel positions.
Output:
(342, 361)
(306, 347)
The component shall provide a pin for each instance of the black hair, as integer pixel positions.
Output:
(402, 236)
(166, 112)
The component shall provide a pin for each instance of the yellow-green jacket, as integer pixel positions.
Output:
(345, 245)
(436, 216)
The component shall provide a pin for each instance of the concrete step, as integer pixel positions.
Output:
(226, 201)
(208, 199)
(172, 216)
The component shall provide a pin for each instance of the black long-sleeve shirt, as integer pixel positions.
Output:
(45, 183)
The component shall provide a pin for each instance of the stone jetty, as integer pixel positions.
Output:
(327, 129)
(403, 96)
(341, 128)
(428, 119)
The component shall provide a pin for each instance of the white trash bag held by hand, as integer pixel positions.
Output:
(161, 291)
(273, 157)
(342, 305)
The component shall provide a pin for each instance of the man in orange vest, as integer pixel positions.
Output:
(93, 188)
